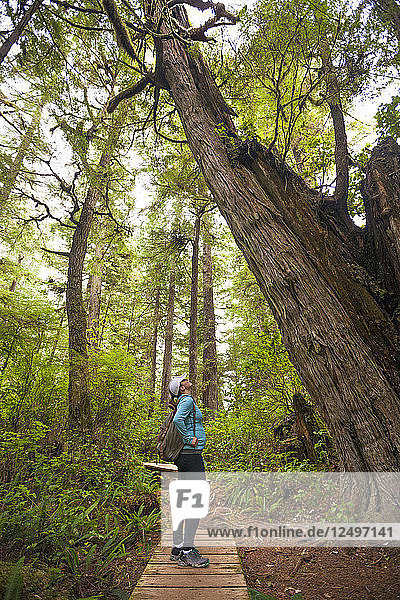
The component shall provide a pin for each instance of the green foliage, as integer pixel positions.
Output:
(14, 584)
(388, 118)
(355, 200)
(19, 581)
(256, 595)
(32, 380)
(79, 512)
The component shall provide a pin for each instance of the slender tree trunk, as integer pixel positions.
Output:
(128, 347)
(338, 333)
(210, 372)
(57, 336)
(341, 149)
(16, 34)
(193, 308)
(94, 289)
(169, 335)
(79, 415)
(9, 352)
(153, 344)
(101, 336)
(15, 168)
(14, 282)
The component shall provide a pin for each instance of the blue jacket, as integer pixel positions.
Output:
(183, 420)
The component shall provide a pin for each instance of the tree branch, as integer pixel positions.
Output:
(15, 35)
(59, 252)
(121, 31)
(130, 92)
(76, 25)
(80, 9)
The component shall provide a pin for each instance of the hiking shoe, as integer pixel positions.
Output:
(192, 558)
(175, 553)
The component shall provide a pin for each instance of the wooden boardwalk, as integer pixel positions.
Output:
(164, 579)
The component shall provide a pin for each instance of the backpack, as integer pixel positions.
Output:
(169, 440)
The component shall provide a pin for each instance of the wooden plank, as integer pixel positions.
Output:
(231, 551)
(215, 559)
(188, 576)
(160, 466)
(212, 569)
(221, 580)
(190, 593)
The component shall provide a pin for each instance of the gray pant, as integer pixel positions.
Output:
(190, 466)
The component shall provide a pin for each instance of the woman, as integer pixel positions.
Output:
(190, 466)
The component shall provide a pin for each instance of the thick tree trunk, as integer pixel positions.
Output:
(79, 414)
(193, 308)
(210, 371)
(15, 168)
(381, 193)
(16, 34)
(169, 335)
(339, 337)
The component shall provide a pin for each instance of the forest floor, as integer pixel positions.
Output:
(323, 573)
(279, 573)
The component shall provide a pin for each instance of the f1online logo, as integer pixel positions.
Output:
(189, 499)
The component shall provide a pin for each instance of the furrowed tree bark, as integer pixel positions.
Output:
(210, 370)
(169, 336)
(79, 410)
(339, 336)
(381, 193)
(193, 308)
(306, 425)
(16, 34)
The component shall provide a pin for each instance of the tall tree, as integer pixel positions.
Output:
(94, 292)
(23, 148)
(334, 101)
(153, 342)
(338, 328)
(79, 412)
(194, 293)
(169, 335)
(210, 368)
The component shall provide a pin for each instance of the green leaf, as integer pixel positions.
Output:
(256, 595)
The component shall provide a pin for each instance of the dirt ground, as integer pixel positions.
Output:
(324, 573)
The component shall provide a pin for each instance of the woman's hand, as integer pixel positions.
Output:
(194, 441)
